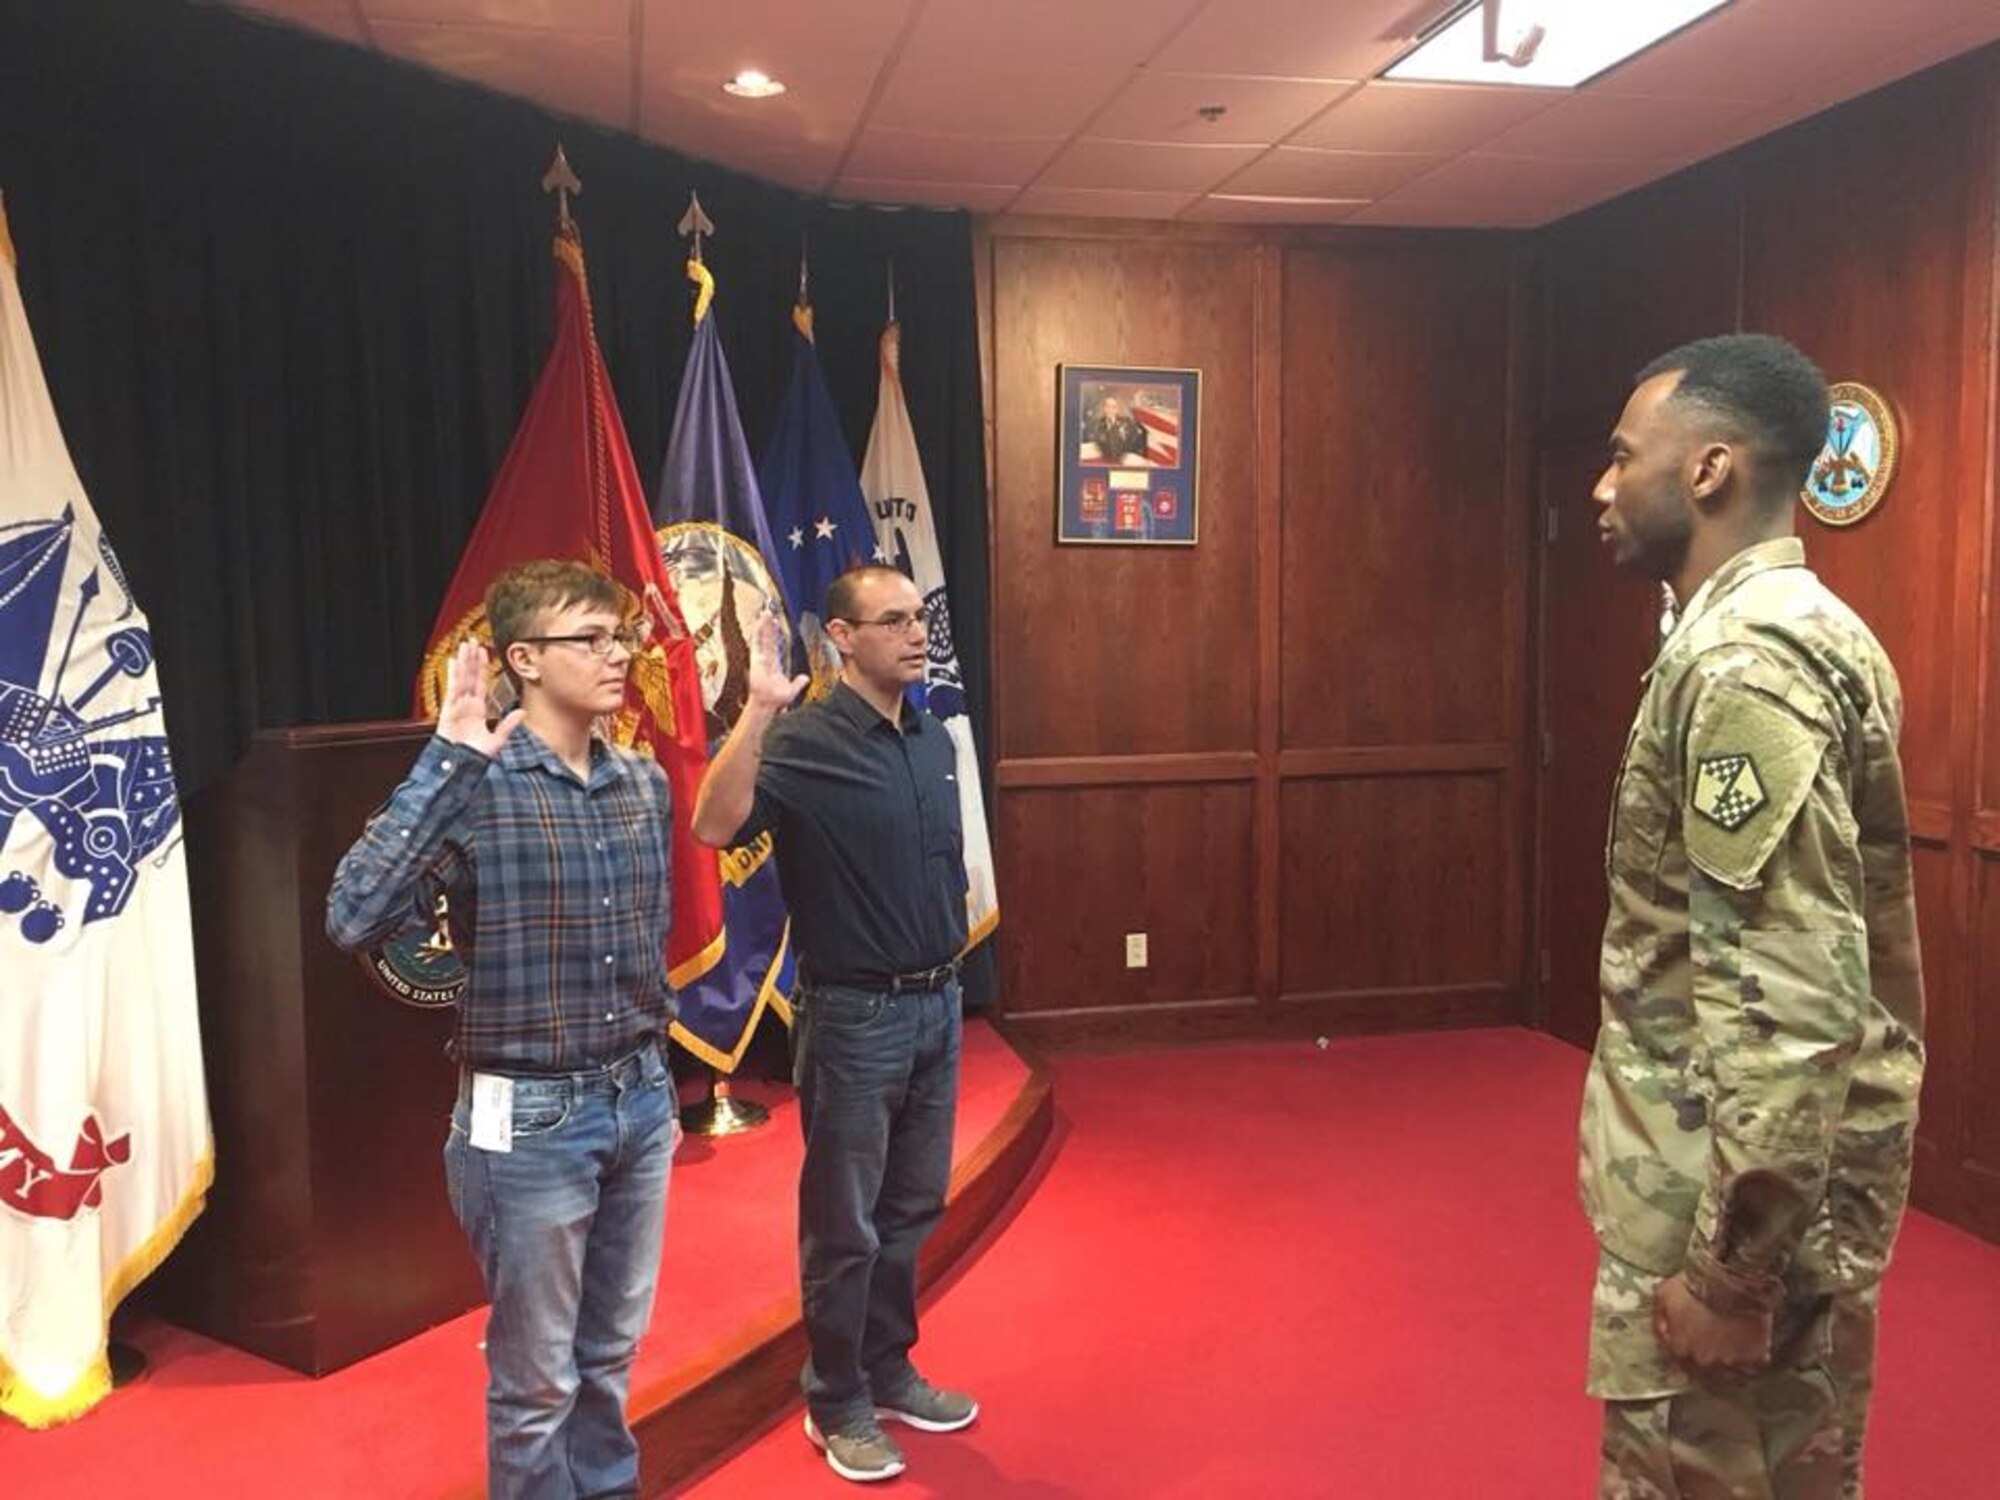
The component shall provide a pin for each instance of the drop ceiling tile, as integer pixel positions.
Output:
(1026, 67)
(1348, 39)
(604, 17)
(1100, 203)
(907, 155)
(1492, 180)
(1243, 209)
(1298, 171)
(1157, 106)
(807, 171)
(1901, 55)
(328, 17)
(1734, 55)
(781, 148)
(1602, 127)
(979, 198)
(1905, 18)
(1142, 167)
(691, 49)
(1422, 117)
(1392, 214)
(828, 80)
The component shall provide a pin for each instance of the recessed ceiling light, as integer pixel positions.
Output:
(753, 84)
(1578, 40)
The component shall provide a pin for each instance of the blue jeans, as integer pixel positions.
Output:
(567, 1229)
(877, 1077)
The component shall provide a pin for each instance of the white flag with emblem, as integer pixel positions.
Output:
(104, 1142)
(899, 503)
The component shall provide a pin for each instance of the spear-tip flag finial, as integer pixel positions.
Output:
(694, 224)
(561, 181)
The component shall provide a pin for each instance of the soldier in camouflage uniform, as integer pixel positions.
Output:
(1749, 1112)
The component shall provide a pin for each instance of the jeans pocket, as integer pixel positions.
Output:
(842, 1010)
(540, 1106)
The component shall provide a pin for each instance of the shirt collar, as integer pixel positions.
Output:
(1760, 557)
(525, 750)
(862, 714)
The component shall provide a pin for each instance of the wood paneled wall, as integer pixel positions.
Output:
(1297, 754)
(1868, 236)
(1347, 761)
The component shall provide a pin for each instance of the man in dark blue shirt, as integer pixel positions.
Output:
(550, 848)
(860, 793)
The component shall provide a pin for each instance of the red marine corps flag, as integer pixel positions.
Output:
(568, 488)
(105, 1152)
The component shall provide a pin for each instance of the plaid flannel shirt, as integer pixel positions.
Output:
(557, 897)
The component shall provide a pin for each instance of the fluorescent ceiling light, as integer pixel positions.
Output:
(1581, 38)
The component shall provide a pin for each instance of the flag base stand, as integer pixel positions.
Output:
(127, 1363)
(722, 1113)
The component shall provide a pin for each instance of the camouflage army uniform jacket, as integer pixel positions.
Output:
(1751, 1105)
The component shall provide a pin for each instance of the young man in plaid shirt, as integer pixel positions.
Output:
(551, 849)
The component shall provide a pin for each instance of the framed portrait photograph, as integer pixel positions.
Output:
(1128, 455)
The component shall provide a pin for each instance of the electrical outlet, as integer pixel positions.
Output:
(1135, 950)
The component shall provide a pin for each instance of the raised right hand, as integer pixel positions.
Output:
(769, 688)
(462, 711)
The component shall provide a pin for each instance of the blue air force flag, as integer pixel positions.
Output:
(104, 1143)
(717, 549)
(892, 480)
(819, 521)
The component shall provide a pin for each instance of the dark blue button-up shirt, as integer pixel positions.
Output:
(557, 895)
(870, 843)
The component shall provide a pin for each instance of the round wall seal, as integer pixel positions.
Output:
(420, 969)
(1853, 470)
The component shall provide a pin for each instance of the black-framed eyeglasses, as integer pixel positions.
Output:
(596, 642)
(894, 620)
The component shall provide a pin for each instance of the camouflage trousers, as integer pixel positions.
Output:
(1793, 1432)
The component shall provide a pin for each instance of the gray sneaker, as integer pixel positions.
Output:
(923, 1406)
(858, 1450)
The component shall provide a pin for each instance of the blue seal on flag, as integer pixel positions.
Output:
(103, 791)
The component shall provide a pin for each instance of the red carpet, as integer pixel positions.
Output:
(1258, 1270)
(1273, 1271)
(408, 1424)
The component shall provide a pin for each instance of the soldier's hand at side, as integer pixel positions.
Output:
(462, 710)
(769, 688)
(1708, 1342)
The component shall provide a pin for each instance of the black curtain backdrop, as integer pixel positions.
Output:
(291, 298)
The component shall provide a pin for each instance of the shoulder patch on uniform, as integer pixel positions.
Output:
(1751, 763)
(1727, 789)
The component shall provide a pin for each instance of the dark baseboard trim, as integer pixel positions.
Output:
(1332, 1013)
(1963, 1193)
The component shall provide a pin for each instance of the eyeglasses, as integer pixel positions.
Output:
(596, 642)
(895, 620)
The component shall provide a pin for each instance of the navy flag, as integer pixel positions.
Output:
(717, 548)
(819, 520)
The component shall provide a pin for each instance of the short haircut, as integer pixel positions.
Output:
(1763, 392)
(840, 593)
(516, 599)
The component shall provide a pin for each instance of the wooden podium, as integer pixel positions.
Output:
(328, 1235)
